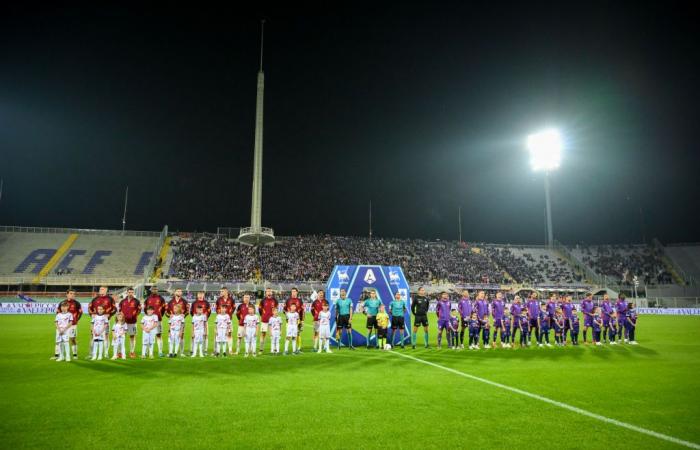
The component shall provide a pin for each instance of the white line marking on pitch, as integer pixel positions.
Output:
(583, 412)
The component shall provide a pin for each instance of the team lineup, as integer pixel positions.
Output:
(485, 323)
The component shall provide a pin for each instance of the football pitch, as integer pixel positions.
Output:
(499, 398)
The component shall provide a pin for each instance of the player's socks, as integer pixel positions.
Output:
(425, 337)
(315, 343)
(585, 333)
(294, 345)
(350, 338)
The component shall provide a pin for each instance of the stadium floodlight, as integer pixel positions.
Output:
(545, 154)
(545, 150)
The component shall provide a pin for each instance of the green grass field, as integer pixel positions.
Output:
(361, 399)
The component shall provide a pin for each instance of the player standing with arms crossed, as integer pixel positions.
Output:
(316, 308)
(131, 308)
(76, 310)
(419, 308)
(225, 304)
(295, 300)
(343, 319)
(371, 307)
(265, 309)
(241, 312)
(587, 309)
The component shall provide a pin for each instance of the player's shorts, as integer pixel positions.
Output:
(250, 335)
(117, 341)
(240, 332)
(61, 337)
(498, 323)
(344, 322)
(533, 323)
(292, 332)
(381, 333)
(73, 331)
(587, 320)
(622, 322)
(324, 332)
(442, 323)
(131, 329)
(149, 338)
(263, 327)
(420, 320)
(606, 321)
(371, 322)
(317, 326)
(397, 322)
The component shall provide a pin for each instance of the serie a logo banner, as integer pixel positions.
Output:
(358, 281)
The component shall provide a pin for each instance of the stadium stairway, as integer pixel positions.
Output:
(164, 251)
(67, 244)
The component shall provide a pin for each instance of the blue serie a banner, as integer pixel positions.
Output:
(357, 282)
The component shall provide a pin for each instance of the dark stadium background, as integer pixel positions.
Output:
(420, 108)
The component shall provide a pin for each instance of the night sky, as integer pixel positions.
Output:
(418, 108)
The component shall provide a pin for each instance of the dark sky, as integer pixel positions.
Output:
(420, 108)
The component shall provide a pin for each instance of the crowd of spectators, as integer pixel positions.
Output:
(311, 258)
(531, 268)
(623, 263)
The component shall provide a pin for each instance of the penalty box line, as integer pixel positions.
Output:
(583, 412)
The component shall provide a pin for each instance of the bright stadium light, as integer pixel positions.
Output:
(545, 150)
(545, 154)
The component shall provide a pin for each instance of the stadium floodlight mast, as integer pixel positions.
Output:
(545, 155)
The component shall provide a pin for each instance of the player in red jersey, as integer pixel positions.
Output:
(241, 312)
(295, 300)
(76, 309)
(158, 303)
(265, 309)
(130, 306)
(107, 303)
(226, 303)
(206, 310)
(317, 307)
(184, 307)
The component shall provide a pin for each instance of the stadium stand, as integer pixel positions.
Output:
(687, 258)
(534, 265)
(619, 264)
(34, 254)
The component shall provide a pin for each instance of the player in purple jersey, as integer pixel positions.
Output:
(533, 313)
(481, 305)
(464, 307)
(516, 310)
(587, 309)
(497, 310)
(569, 311)
(551, 306)
(606, 311)
(621, 309)
(443, 312)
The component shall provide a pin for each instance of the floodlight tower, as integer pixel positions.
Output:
(545, 155)
(256, 234)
